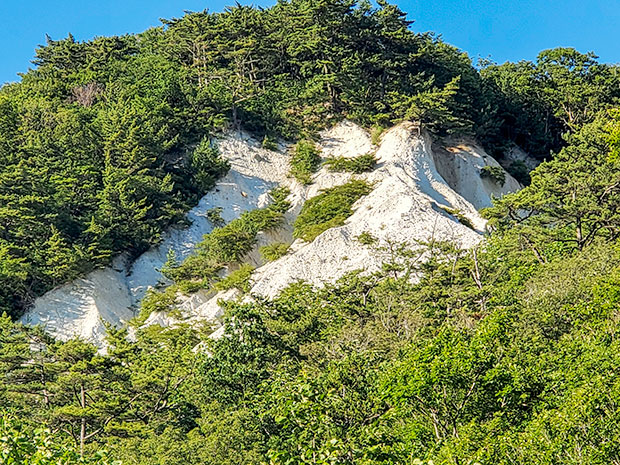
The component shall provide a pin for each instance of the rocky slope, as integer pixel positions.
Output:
(419, 192)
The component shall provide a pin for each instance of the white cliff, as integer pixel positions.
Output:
(418, 194)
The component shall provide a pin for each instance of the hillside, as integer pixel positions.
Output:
(308, 234)
(410, 202)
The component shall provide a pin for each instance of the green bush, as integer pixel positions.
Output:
(238, 279)
(365, 238)
(207, 165)
(494, 173)
(229, 244)
(214, 215)
(357, 165)
(274, 251)
(305, 161)
(377, 132)
(199, 268)
(156, 301)
(519, 171)
(459, 216)
(328, 209)
(270, 143)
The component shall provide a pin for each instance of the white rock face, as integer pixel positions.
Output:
(406, 205)
(112, 294)
(460, 165)
(413, 185)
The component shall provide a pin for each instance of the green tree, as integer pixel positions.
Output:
(573, 199)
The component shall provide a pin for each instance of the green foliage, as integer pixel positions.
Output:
(366, 238)
(357, 165)
(518, 170)
(214, 215)
(19, 445)
(270, 143)
(227, 245)
(540, 101)
(459, 216)
(206, 164)
(238, 279)
(376, 133)
(573, 199)
(494, 173)
(328, 209)
(156, 301)
(274, 251)
(305, 161)
(431, 107)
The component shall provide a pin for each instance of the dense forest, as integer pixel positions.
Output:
(504, 354)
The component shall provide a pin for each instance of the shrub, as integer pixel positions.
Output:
(207, 165)
(270, 143)
(214, 215)
(228, 244)
(156, 301)
(238, 279)
(305, 161)
(198, 268)
(459, 216)
(274, 251)
(365, 238)
(494, 173)
(375, 136)
(328, 209)
(357, 165)
(519, 171)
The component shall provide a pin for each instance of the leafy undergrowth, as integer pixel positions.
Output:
(329, 209)
(274, 251)
(494, 173)
(357, 165)
(459, 216)
(238, 279)
(224, 246)
(305, 161)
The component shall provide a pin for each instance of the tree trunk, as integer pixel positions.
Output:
(83, 425)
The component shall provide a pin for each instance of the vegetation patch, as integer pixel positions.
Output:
(494, 173)
(214, 215)
(375, 135)
(365, 238)
(207, 164)
(156, 301)
(238, 279)
(274, 251)
(459, 216)
(518, 170)
(328, 209)
(357, 165)
(230, 243)
(270, 143)
(305, 161)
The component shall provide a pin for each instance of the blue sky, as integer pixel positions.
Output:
(497, 29)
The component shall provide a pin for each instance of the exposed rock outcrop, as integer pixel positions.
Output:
(418, 194)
